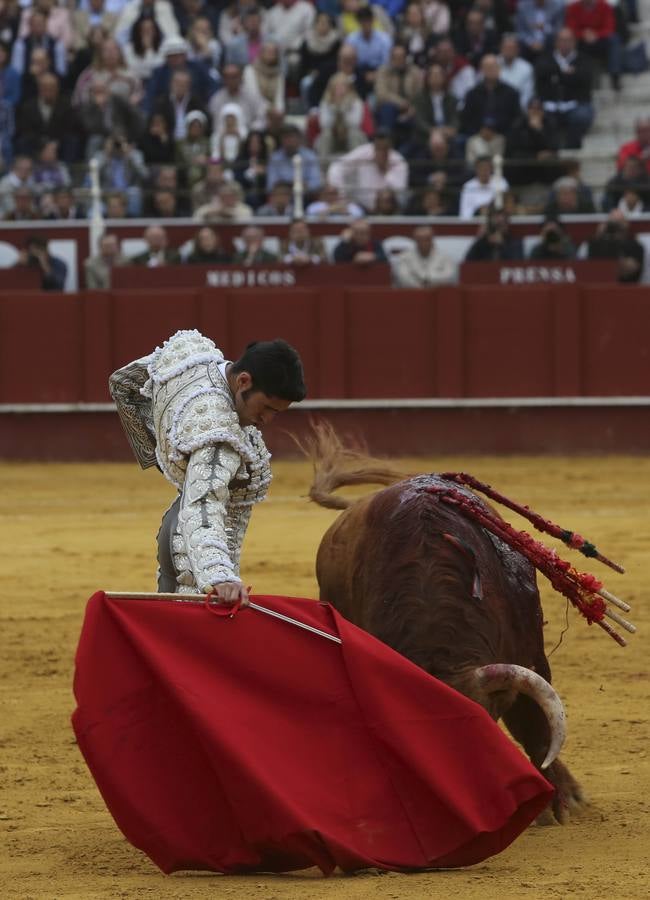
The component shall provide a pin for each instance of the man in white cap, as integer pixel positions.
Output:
(174, 51)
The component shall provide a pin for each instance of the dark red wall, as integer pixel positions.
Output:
(357, 343)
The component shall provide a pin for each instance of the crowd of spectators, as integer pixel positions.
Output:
(201, 107)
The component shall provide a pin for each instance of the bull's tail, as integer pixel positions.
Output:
(336, 465)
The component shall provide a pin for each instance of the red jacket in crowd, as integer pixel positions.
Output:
(595, 16)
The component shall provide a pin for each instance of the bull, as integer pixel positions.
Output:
(444, 592)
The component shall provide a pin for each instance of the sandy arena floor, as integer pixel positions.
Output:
(67, 530)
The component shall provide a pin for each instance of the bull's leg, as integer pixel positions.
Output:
(527, 724)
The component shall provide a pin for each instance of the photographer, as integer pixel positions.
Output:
(613, 240)
(122, 168)
(494, 241)
(555, 243)
(53, 270)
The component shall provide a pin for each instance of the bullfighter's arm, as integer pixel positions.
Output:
(135, 410)
(212, 535)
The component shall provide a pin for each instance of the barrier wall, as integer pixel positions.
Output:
(454, 342)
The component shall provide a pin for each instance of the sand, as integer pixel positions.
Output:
(68, 530)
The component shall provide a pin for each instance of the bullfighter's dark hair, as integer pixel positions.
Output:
(275, 369)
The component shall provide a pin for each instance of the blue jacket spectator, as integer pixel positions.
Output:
(9, 78)
(372, 46)
(536, 23)
(280, 166)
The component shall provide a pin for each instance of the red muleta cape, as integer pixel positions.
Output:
(245, 743)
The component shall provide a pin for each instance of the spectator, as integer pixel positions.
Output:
(423, 265)
(300, 248)
(20, 176)
(9, 21)
(203, 47)
(281, 166)
(227, 207)
(161, 11)
(474, 39)
(157, 144)
(554, 244)
(48, 115)
(175, 51)
(188, 12)
(633, 179)
(364, 171)
(372, 45)
(116, 205)
(437, 167)
(205, 191)
(563, 81)
(193, 151)
(491, 98)
(357, 245)
(287, 23)
(397, 86)
(494, 241)
(10, 84)
(23, 206)
(331, 204)
(122, 168)
(98, 269)
(250, 168)
(386, 203)
(93, 15)
(516, 71)
(253, 252)
(531, 147)
(78, 63)
(566, 199)
(639, 147)
(415, 34)
(537, 24)
(33, 34)
(108, 67)
(434, 106)
(229, 134)
(318, 56)
(233, 20)
(245, 44)
(61, 206)
(346, 64)
(163, 205)
(49, 172)
(158, 253)
(486, 142)
(613, 240)
(340, 117)
(348, 20)
(279, 201)
(594, 28)
(234, 91)
(481, 191)
(431, 202)
(53, 270)
(459, 74)
(177, 103)
(437, 17)
(103, 114)
(207, 248)
(142, 53)
(265, 76)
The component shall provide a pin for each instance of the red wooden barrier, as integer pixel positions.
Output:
(454, 342)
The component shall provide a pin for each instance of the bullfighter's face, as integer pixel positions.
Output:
(255, 407)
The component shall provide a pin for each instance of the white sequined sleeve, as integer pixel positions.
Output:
(211, 542)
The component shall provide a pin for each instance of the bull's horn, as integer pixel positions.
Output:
(505, 676)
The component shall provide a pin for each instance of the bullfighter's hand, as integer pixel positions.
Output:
(230, 592)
